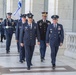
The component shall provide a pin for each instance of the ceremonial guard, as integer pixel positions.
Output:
(42, 25)
(18, 31)
(54, 37)
(9, 27)
(29, 33)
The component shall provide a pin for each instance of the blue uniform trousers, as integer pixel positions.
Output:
(29, 53)
(54, 50)
(42, 49)
(8, 41)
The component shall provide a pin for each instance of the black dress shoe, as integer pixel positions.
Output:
(53, 66)
(21, 61)
(42, 60)
(31, 64)
(28, 68)
(7, 52)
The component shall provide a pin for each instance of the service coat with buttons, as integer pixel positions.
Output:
(43, 28)
(28, 36)
(9, 26)
(55, 36)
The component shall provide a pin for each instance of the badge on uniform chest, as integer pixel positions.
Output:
(26, 28)
(40, 24)
(59, 28)
(34, 27)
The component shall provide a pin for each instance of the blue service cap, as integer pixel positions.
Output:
(30, 15)
(9, 13)
(54, 16)
(23, 15)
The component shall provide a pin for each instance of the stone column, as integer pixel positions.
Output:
(9, 6)
(74, 16)
(27, 6)
(52, 8)
(1, 9)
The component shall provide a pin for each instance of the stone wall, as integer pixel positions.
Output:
(38, 7)
(65, 11)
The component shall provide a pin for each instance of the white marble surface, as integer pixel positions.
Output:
(12, 62)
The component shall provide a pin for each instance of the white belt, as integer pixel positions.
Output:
(8, 27)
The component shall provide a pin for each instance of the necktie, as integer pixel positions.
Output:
(55, 26)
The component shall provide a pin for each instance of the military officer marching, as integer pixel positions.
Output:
(54, 37)
(8, 25)
(29, 33)
(18, 31)
(42, 25)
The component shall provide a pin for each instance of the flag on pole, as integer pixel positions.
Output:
(17, 13)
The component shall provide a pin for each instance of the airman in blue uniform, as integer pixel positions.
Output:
(8, 25)
(29, 33)
(18, 31)
(54, 37)
(42, 25)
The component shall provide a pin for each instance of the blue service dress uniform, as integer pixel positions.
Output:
(28, 37)
(42, 25)
(17, 27)
(8, 25)
(54, 36)
(21, 49)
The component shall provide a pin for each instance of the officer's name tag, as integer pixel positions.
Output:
(7, 27)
